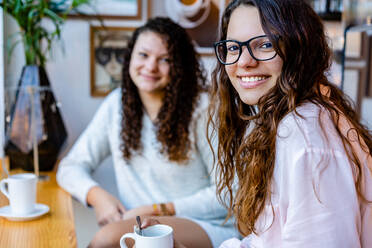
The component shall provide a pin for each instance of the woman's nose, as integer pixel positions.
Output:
(151, 64)
(246, 58)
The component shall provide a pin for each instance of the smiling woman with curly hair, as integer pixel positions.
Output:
(179, 96)
(154, 127)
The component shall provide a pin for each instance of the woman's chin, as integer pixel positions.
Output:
(151, 90)
(249, 100)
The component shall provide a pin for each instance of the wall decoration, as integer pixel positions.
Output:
(330, 10)
(107, 46)
(200, 18)
(114, 9)
(356, 12)
(357, 63)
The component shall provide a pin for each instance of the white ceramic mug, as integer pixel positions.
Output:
(157, 236)
(21, 192)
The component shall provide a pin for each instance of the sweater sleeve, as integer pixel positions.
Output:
(91, 148)
(204, 203)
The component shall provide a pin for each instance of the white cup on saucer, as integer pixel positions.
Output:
(157, 236)
(20, 189)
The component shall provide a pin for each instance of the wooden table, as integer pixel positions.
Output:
(55, 229)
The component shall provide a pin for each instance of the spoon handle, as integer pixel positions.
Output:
(138, 219)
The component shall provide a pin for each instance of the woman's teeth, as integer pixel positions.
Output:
(252, 79)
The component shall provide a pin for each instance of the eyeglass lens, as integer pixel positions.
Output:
(260, 48)
(103, 55)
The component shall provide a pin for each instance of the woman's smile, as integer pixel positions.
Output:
(148, 77)
(249, 82)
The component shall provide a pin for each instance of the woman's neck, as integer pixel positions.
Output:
(152, 104)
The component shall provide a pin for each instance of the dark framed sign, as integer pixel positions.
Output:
(107, 47)
(330, 10)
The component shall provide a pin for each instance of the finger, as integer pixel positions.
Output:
(121, 209)
(117, 217)
(112, 218)
(147, 221)
(102, 222)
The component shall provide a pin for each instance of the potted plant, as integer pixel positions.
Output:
(36, 131)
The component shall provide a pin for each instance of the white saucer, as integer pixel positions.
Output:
(40, 209)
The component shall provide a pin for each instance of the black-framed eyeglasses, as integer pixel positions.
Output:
(103, 54)
(260, 48)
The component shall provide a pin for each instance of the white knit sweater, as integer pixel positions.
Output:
(149, 177)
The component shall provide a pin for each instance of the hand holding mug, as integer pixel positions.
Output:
(107, 208)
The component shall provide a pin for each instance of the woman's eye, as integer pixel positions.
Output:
(267, 45)
(233, 48)
(141, 54)
(164, 60)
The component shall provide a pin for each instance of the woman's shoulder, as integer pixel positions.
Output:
(306, 111)
(114, 95)
(112, 100)
(309, 126)
(306, 114)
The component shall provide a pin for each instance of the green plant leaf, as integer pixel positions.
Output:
(37, 40)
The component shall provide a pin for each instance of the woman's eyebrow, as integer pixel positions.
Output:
(145, 49)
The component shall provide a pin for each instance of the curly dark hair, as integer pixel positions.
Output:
(306, 59)
(187, 81)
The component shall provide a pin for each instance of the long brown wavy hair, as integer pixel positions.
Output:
(251, 157)
(180, 98)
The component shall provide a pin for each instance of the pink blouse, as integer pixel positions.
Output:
(314, 200)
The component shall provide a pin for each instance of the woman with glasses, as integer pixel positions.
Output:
(302, 175)
(305, 169)
(154, 127)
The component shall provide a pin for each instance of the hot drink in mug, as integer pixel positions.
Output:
(157, 236)
(20, 189)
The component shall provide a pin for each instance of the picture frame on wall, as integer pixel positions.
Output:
(107, 47)
(114, 9)
(200, 19)
(356, 78)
